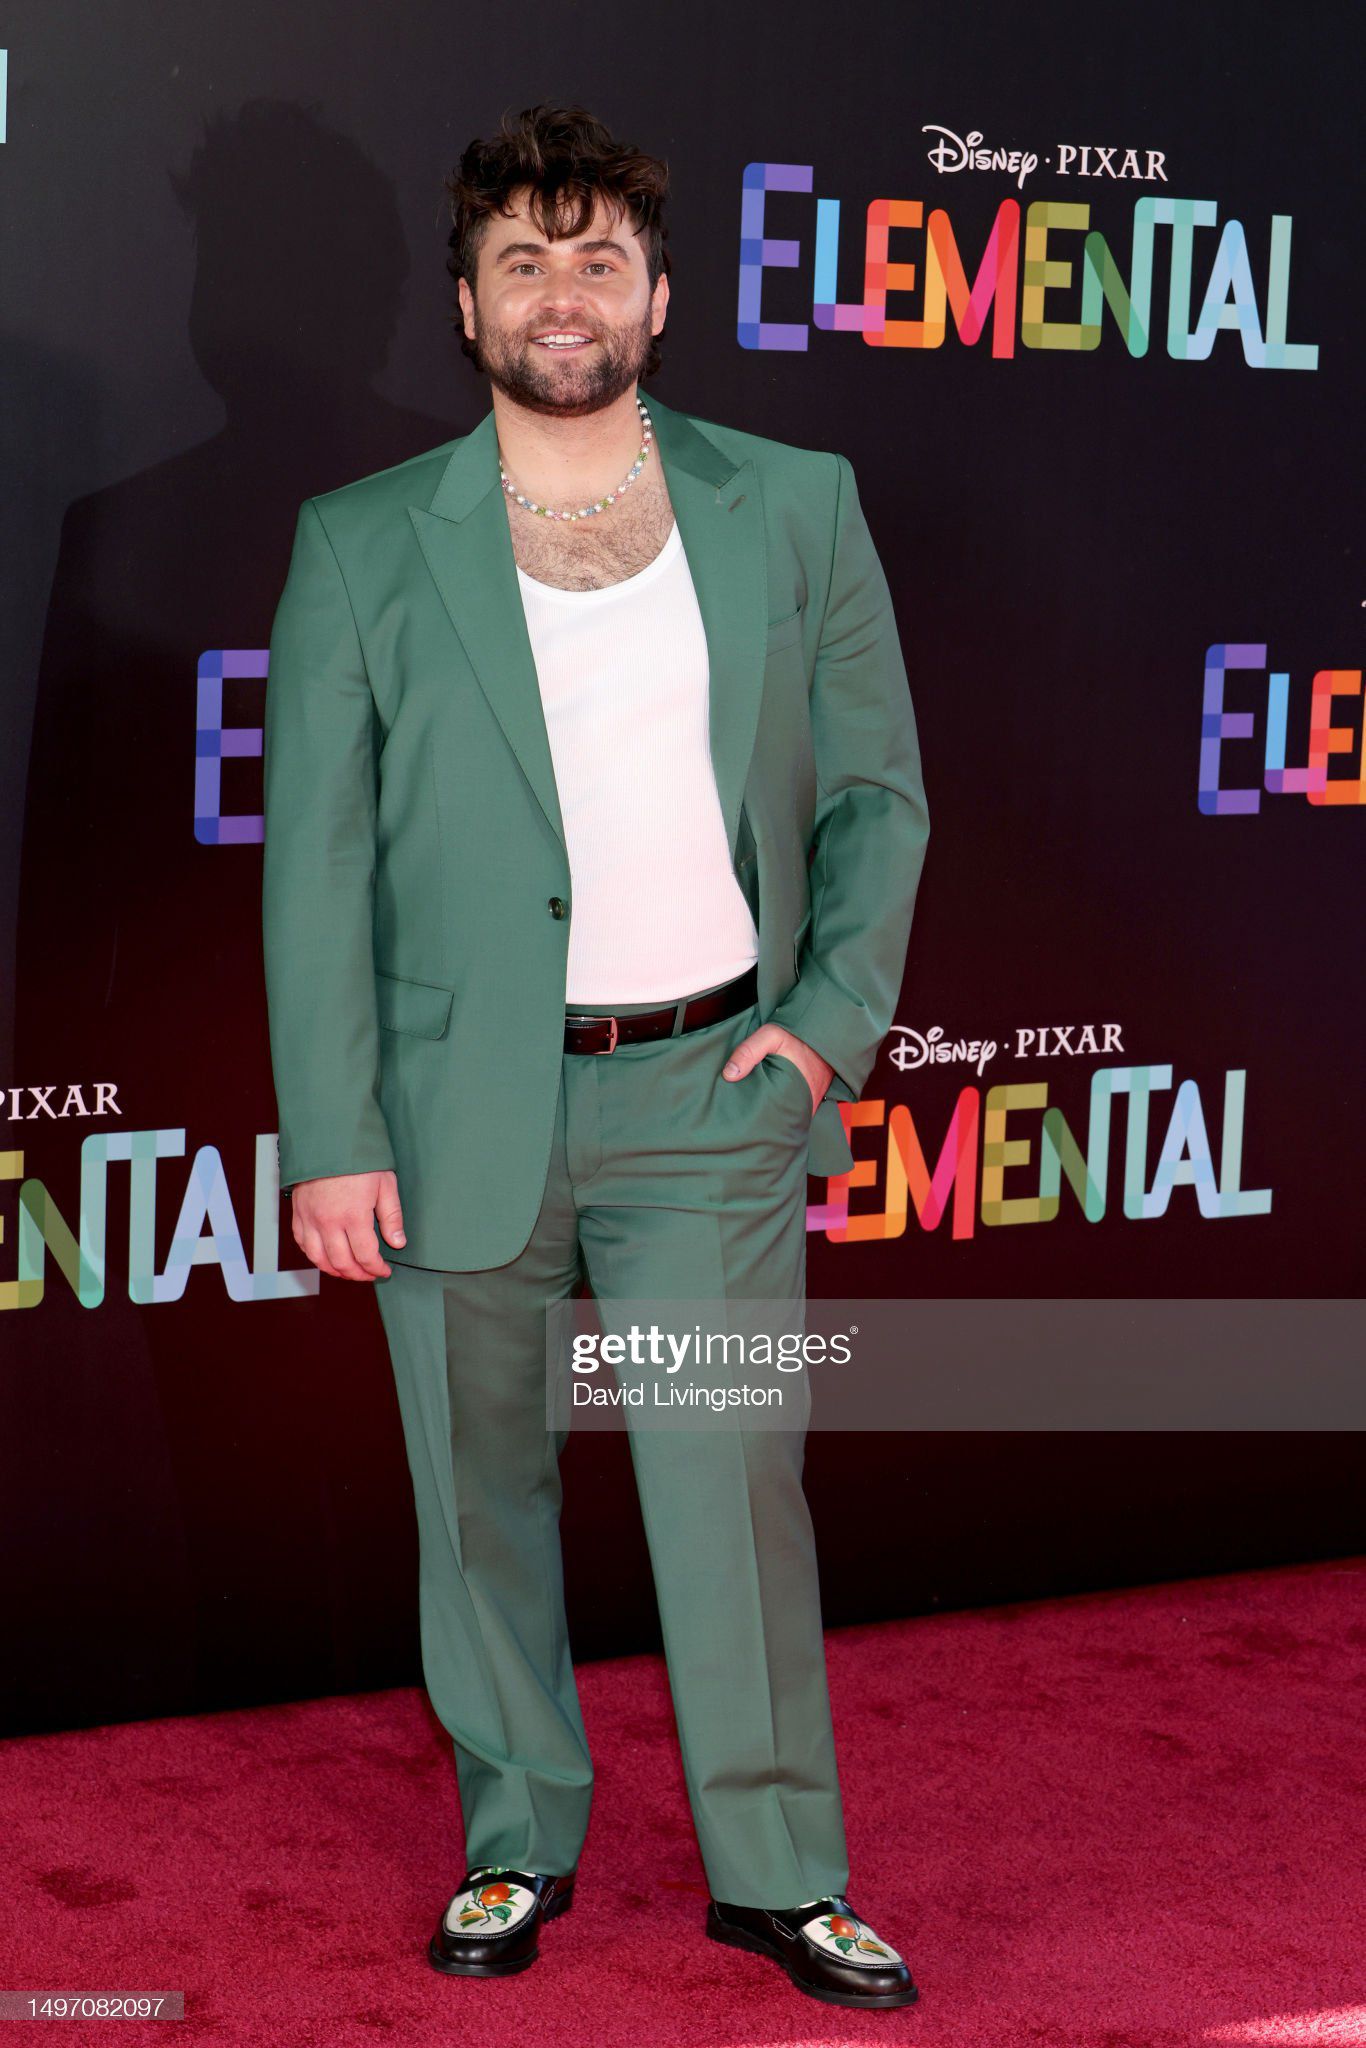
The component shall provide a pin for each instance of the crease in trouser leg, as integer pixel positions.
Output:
(495, 1647)
(733, 1555)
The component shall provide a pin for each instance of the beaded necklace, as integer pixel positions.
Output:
(586, 511)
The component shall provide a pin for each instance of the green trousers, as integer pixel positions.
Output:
(665, 1181)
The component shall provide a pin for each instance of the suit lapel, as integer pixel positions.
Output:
(463, 533)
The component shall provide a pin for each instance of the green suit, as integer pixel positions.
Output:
(417, 909)
(417, 893)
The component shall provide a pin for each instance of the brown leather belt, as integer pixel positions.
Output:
(594, 1032)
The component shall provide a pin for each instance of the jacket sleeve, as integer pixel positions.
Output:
(871, 818)
(320, 768)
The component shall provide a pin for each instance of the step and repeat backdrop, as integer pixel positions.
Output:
(1078, 290)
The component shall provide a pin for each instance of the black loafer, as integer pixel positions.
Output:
(491, 1927)
(825, 1948)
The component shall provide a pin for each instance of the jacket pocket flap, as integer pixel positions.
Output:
(422, 1008)
(781, 632)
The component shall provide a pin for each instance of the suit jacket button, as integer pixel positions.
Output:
(557, 906)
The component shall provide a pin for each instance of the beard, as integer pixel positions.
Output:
(596, 377)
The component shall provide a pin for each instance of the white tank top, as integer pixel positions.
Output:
(655, 911)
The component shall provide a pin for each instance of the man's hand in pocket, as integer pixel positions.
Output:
(773, 1038)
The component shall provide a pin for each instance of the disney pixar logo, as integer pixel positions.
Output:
(915, 1049)
(1075, 159)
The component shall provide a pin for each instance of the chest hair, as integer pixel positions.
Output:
(588, 554)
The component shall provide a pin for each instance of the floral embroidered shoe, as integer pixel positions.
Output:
(491, 1927)
(824, 1947)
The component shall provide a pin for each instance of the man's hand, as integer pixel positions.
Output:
(334, 1222)
(773, 1038)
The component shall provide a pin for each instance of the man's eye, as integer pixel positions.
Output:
(528, 265)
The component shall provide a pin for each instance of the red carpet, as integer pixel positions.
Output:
(1125, 1820)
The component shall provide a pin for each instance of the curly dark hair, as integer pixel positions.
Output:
(568, 158)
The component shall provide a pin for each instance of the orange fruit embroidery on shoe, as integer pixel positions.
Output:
(847, 1934)
(490, 1902)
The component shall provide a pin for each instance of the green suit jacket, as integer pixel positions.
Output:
(417, 895)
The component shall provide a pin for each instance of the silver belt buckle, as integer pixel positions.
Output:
(611, 1044)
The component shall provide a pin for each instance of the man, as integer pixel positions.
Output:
(594, 822)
